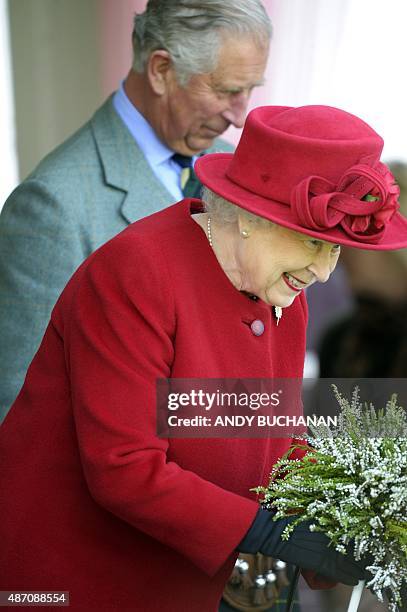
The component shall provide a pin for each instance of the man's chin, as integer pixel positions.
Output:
(197, 144)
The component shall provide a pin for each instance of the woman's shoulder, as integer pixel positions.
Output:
(146, 237)
(143, 254)
(131, 268)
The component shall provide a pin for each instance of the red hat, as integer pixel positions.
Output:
(313, 169)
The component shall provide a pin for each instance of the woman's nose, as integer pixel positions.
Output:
(321, 267)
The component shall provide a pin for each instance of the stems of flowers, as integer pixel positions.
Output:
(357, 593)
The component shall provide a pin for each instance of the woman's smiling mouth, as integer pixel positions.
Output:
(295, 284)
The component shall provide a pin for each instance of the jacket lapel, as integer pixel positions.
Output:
(125, 167)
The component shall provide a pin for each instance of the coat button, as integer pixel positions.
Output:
(257, 327)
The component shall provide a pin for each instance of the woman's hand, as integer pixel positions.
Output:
(309, 550)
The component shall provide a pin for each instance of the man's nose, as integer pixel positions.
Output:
(237, 109)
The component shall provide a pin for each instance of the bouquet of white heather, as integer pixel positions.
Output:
(352, 484)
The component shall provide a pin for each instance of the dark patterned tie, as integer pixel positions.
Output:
(190, 185)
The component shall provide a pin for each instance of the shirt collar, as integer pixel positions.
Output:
(151, 146)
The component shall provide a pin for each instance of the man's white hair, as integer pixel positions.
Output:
(191, 31)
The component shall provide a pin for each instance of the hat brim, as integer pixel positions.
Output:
(211, 171)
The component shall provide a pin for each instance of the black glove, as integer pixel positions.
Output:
(305, 548)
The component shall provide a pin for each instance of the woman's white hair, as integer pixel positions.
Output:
(224, 211)
(191, 31)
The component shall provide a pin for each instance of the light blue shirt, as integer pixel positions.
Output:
(157, 154)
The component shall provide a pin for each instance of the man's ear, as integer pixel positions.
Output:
(160, 70)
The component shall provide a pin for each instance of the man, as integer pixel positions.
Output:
(195, 64)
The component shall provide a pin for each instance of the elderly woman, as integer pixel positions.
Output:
(94, 502)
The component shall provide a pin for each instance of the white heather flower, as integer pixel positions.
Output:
(355, 489)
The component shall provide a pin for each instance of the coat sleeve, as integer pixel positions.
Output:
(119, 339)
(39, 250)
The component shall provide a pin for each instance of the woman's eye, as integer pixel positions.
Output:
(313, 244)
(336, 249)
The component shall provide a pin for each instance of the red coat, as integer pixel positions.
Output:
(93, 502)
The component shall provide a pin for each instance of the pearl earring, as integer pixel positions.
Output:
(244, 233)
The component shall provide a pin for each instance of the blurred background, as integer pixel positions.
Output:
(59, 59)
